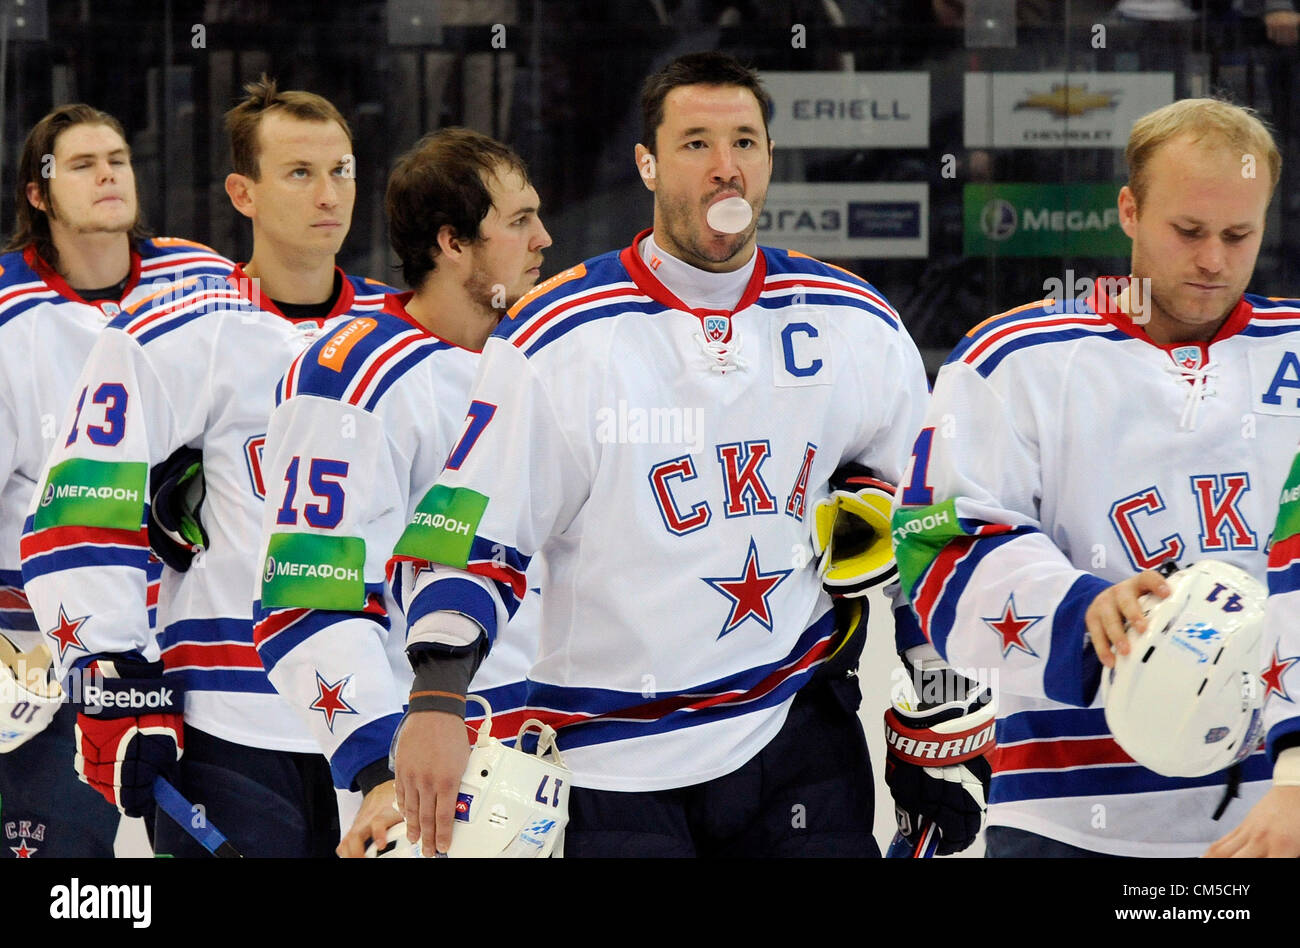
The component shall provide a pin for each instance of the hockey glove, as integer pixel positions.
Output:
(850, 532)
(129, 729)
(176, 492)
(839, 673)
(936, 765)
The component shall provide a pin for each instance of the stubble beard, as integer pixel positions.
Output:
(84, 229)
(1167, 318)
(482, 294)
(681, 233)
(1170, 322)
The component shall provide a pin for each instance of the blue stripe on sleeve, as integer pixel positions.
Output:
(455, 594)
(367, 744)
(1073, 671)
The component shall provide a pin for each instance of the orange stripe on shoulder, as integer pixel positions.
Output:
(564, 276)
(168, 290)
(181, 242)
(806, 256)
(1011, 312)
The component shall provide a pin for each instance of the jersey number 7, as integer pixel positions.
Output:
(480, 413)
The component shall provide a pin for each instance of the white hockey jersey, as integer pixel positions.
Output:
(664, 461)
(46, 332)
(196, 365)
(1063, 451)
(1282, 665)
(364, 422)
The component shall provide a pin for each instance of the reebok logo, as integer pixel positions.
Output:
(129, 698)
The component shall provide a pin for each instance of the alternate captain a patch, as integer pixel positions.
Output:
(1275, 380)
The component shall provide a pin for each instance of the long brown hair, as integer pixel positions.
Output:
(31, 224)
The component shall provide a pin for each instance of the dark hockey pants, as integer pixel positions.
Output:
(809, 792)
(267, 803)
(45, 810)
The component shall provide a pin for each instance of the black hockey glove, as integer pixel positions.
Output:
(176, 492)
(938, 734)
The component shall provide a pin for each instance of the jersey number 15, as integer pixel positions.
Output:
(324, 476)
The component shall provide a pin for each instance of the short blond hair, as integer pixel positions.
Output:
(1211, 121)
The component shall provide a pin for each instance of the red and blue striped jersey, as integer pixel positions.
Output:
(364, 423)
(194, 364)
(664, 461)
(1062, 452)
(46, 332)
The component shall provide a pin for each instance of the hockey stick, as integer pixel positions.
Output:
(181, 811)
(926, 843)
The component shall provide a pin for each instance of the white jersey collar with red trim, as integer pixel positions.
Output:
(698, 289)
(395, 305)
(60, 285)
(652, 286)
(1190, 355)
(247, 288)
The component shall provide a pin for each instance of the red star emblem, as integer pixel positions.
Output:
(21, 851)
(329, 699)
(748, 592)
(65, 633)
(1272, 676)
(1012, 628)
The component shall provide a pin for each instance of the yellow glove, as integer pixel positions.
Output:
(850, 532)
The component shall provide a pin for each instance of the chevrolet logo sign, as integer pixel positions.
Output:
(1067, 101)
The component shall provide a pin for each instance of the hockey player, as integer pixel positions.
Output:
(1272, 827)
(195, 366)
(1073, 446)
(372, 411)
(78, 254)
(658, 423)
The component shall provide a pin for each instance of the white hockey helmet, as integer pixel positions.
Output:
(1186, 701)
(511, 803)
(29, 696)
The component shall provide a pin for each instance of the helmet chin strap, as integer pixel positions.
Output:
(1231, 791)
